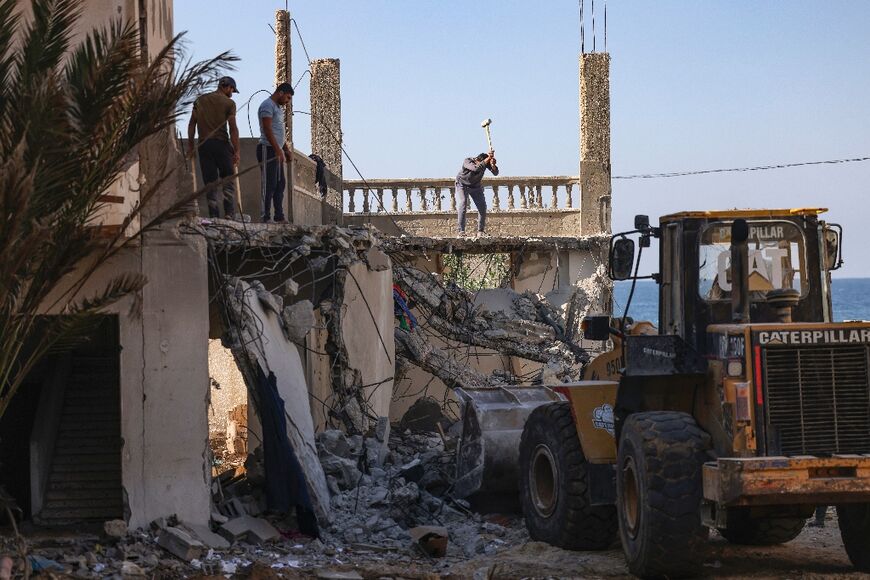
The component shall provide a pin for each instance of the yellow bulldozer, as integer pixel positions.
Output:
(743, 411)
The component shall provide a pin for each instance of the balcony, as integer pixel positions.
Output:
(547, 206)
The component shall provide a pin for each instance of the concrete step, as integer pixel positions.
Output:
(92, 477)
(85, 494)
(59, 515)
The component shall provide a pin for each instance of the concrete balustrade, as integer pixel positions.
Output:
(435, 195)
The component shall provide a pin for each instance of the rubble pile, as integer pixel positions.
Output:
(532, 329)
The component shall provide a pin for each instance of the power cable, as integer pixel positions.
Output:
(741, 169)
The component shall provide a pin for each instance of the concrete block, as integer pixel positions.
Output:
(204, 534)
(115, 528)
(252, 530)
(180, 543)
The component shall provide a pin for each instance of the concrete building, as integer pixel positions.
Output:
(119, 428)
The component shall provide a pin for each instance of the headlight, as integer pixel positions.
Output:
(734, 368)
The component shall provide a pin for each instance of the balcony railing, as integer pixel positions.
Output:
(433, 195)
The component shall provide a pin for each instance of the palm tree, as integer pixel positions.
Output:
(71, 118)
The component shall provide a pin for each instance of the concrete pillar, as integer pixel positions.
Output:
(595, 142)
(284, 74)
(326, 135)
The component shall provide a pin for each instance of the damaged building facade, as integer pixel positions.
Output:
(306, 345)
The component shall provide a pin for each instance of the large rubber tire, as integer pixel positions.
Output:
(760, 531)
(855, 531)
(553, 484)
(659, 490)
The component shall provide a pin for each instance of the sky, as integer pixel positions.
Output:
(695, 84)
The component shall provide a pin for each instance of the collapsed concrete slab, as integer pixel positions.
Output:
(261, 347)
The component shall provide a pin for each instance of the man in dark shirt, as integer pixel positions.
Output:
(468, 185)
(218, 149)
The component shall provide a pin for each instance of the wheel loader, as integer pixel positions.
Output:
(743, 411)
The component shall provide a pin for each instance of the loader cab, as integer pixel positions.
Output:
(789, 250)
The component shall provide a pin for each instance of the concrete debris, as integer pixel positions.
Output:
(528, 329)
(423, 416)
(261, 345)
(180, 543)
(298, 320)
(343, 471)
(269, 300)
(250, 529)
(431, 539)
(377, 260)
(115, 528)
(204, 534)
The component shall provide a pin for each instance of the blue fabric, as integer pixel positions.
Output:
(285, 483)
(270, 108)
(402, 308)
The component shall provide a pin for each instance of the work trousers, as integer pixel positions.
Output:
(272, 183)
(463, 192)
(216, 163)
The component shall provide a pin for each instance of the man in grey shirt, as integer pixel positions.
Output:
(468, 184)
(272, 152)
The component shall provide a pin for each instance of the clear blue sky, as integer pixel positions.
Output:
(695, 84)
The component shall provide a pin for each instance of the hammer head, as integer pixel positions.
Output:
(485, 123)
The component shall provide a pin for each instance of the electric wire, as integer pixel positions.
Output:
(742, 169)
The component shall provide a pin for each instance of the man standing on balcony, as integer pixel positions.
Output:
(272, 152)
(218, 149)
(468, 185)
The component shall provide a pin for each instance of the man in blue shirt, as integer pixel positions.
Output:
(468, 184)
(272, 152)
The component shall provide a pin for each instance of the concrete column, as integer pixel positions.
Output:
(326, 135)
(284, 74)
(595, 186)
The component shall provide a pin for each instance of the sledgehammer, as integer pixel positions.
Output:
(485, 124)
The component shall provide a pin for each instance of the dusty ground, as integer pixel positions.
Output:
(816, 553)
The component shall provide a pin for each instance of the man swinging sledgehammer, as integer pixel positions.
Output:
(468, 185)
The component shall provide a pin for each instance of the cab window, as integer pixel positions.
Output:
(776, 259)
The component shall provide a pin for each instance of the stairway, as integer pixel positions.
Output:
(84, 483)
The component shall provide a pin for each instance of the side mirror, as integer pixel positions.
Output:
(833, 256)
(621, 259)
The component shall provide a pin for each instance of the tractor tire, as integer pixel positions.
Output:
(746, 530)
(855, 531)
(553, 484)
(658, 494)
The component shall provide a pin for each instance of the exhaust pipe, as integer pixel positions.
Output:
(739, 271)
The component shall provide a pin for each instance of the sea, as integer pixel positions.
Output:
(850, 298)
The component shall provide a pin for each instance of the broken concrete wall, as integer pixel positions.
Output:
(259, 339)
(367, 332)
(305, 207)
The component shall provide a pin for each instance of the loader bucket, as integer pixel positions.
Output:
(489, 448)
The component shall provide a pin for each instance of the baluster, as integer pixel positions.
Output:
(424, 205)
(395, 205)
(408, 198)
(452, 193)
(524, 204)
(510, 196)
(366, 207)
(437, 191)
(496, 202)
(554, 201)
(351, 204)
(539, 197)
(379, 196)
(569, 188)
